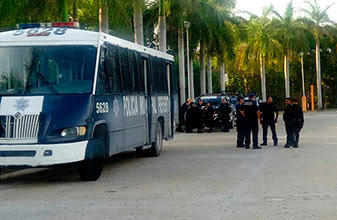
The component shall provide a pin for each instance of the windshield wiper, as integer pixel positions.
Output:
(43, 79)
(48, 84)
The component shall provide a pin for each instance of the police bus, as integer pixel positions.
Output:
(70, 95)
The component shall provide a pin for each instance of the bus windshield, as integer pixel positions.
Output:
(29, 70)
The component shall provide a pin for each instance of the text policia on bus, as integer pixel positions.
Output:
(76, 96)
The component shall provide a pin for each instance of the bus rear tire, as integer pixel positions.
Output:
(91, 169)
(157, 145)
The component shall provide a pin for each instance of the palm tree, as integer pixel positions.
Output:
(162, 26)
(138, 6)
(260, 42)
(225, 49)
(287, 38)
(209, 74)
(292, 38)
(317, 18)
(103, 16)
(176, 13)
(64, 10)
(207, 21)
(75, 11)
(202, 67)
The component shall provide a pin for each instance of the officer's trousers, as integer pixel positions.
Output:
(265, 125)
(254, 129)
(296, 136)
(290, 135)
(225, 124)
(241, 132)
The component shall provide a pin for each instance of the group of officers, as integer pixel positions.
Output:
(196, 115)
(249, 114)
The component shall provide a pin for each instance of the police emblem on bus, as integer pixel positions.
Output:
(17, 115)
(21, 104)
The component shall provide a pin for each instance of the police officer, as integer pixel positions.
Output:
(252, 116)
(297, 121)
(199, 116)
(182, 113)
(240, 123)
(269, 116)
(209, 112)
(190, 116)
(225, 109)
(287, 119)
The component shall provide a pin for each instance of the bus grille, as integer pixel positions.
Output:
(24, 127)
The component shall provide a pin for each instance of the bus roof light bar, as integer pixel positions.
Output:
(49, 25)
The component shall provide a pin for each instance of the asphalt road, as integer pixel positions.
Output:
(198, 176)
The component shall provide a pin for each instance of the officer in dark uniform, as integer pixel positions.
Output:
(269, 116)
(297, 121)
(224, 110)
(240, 123)
(182, 113)
(287, 119)
(199, 116)
(190, 116)
(252, 116)
(209, 112)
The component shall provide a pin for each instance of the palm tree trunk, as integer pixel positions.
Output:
(263, 78)
(103, 17)
(64, 10)
(222, 77)
(189, 86)
(75, 11)
(138, 24)
(181, 57)
(209, 74)
(319, 79)
(162, 26)
(192, 78)
(202, 68)
(286, 74)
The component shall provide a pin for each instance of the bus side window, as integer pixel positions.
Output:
(168, 75)
(155, 79)
(159, 74)
(140, 73)
(133, 72)
(103, 85)
(112, 69)
(124, 64)
(163, 77)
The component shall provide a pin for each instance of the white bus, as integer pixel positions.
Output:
(70, 95)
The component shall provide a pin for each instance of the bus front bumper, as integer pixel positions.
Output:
(34, 155)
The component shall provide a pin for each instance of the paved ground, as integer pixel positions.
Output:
(198, 176)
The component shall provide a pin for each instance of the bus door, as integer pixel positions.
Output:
(145, 66)
(171, 101)
(133, 99)
(109, 99)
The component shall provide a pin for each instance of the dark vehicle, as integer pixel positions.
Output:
(215, 101)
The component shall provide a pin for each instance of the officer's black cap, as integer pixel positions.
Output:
(251, 95)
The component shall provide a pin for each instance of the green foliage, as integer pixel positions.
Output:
(228, 37)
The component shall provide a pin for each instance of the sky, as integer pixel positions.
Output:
(255, 6)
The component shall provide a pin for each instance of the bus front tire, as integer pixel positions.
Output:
(91, 169)
(157, 145)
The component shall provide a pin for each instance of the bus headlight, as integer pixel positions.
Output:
(75, 131)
